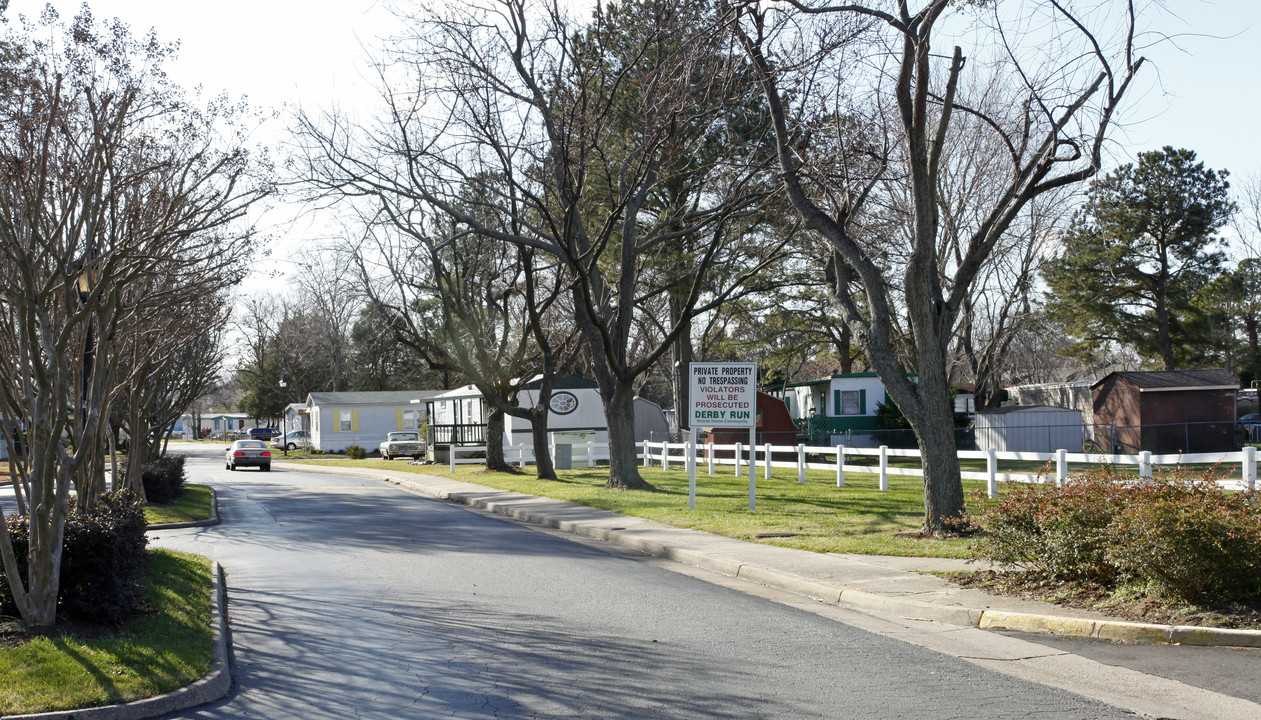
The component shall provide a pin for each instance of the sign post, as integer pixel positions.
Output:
(723, 395)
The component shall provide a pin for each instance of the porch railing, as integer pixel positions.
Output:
(462, 434)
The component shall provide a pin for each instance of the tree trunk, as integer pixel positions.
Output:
(47, 532)
(844, 346)
(619, 410)
(1251, 326)
(681, 355)
(495, 441)
(543, 466)
(943, 489)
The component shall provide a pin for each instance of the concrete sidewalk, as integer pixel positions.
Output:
(896, 586)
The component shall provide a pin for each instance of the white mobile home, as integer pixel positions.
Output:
(215, 425)
(459, 416)
(341, 419)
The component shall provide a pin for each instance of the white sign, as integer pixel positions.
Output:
(723, 395)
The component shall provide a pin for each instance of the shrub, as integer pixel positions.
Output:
(354, 452)
(1180, 534)
(164, 479)
(1190, 540)
(1058, 534)
(102, 561)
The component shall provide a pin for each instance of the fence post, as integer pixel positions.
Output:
(840, 466)
(801, 463)
(1061, 467)
(452, 456)
(991, 469)
(884, 467)
(647, 456)
(739, 453)
(766, 469)
(665, 454)
(1250, 467)
(709, 455)
(590, 454)
(1145, 465)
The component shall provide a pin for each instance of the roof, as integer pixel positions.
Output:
(567, 382)
(1023, 408)
(834, 376)
(1178, 380)
(464, 391)
(387, 397)
(1047, 386)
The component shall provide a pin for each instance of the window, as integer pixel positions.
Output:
(345, 421)
(849, 402)
(408, 420)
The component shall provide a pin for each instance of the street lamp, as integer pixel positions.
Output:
(284, 417)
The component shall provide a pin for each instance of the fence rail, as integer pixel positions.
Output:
(522, 453)
(741, 455)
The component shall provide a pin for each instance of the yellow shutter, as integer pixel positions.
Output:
(354, 421)
(398, 419)
(337, 425)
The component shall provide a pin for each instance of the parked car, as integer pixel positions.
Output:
(263, 433)
(399, 444)
(248, 453)
(1249, 427)
(292, 441)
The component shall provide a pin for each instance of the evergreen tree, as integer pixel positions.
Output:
(1138, 253)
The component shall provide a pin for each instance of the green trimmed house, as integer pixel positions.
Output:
(829, 410)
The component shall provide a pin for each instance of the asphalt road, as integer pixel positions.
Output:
(351, 598)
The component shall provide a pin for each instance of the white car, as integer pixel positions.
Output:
(400, 444)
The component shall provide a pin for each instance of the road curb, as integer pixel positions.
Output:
(503, 502)
(214, 685)
(214, 518)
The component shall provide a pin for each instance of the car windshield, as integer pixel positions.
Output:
(250, 444)
(404, 436)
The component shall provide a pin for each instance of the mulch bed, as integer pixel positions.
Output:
(1245, 615)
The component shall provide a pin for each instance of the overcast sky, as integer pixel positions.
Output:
(1202, 94)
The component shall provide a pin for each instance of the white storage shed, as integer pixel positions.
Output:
(1029, 428)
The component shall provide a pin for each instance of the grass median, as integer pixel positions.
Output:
(197, 503)
(814, 515)
(167, 647)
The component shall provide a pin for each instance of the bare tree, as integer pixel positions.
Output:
(581, 125)
(171, 354)
(875, 177)
(108, 177)
(326, 283)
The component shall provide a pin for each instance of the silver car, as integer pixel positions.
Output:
(294, 440)
(248, 453)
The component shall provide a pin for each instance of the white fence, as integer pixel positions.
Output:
(520, 454)
(739, 455)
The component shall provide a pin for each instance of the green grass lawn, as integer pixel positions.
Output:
(857, 518)
(195, 504)
(168, 647)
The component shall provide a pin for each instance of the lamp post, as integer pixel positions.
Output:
(284, 418)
